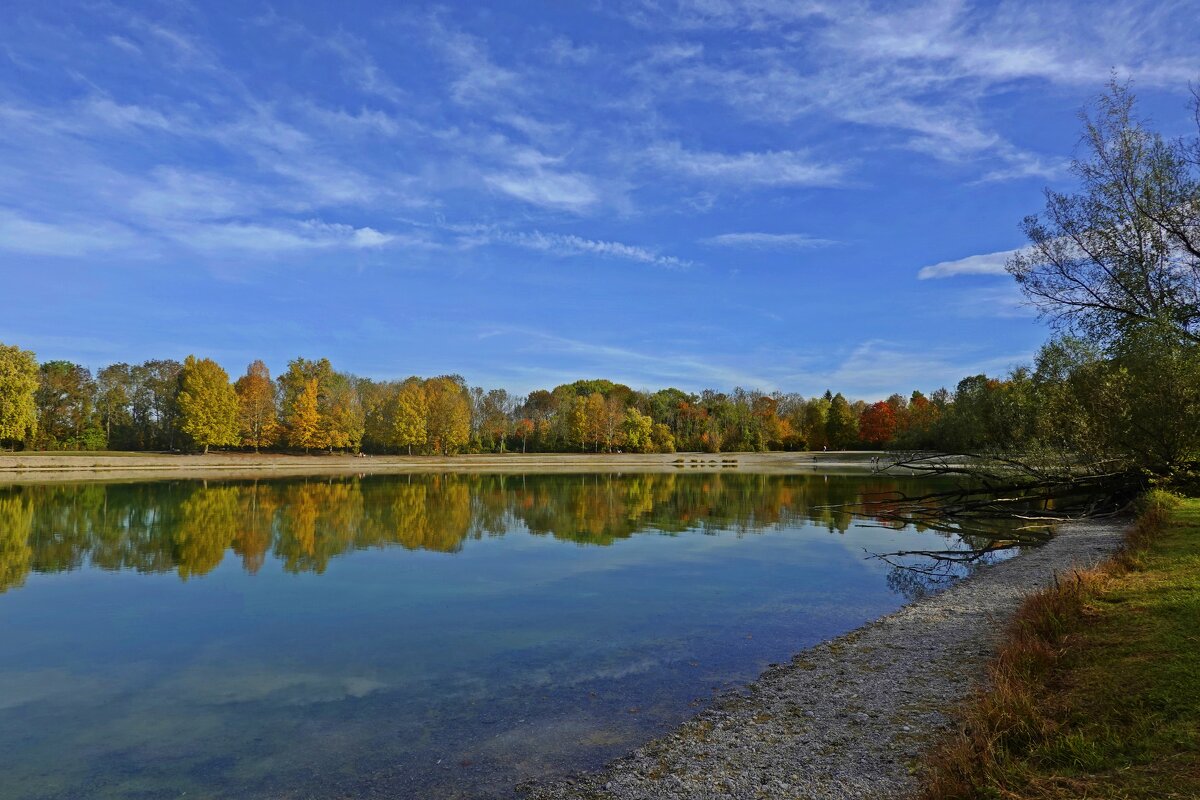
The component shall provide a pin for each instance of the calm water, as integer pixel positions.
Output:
(403, 636)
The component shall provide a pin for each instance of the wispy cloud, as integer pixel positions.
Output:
(19, 234)
(630, 365)
(875, 368)
(997, 302)
(921, 70)
(570, 191)
(280, 237)
(769, 241)
(768, 168)
(569, 245)
(984, 264)
(478, 78)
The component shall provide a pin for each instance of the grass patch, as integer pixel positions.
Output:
(1096, 691)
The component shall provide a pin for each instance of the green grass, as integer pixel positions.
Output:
(1096, 694)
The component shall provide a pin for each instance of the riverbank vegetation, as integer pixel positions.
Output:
(1093, 693)
(165, 405)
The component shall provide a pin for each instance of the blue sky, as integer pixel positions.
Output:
(781, 195)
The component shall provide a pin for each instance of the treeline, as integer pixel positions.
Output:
(166, 405)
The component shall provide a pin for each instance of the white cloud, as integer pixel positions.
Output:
(124, 44)
(562, 190)
(924, 70)
(122, 116)
(1003, 302)
(769, 241)
(628, 365)
(876, 368)
(769, 168)
(280, 237)
(567, 244)
(984, 264)
(19, 234)
(563, 50)
(478, 78)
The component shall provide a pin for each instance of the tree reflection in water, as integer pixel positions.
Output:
(188, 527)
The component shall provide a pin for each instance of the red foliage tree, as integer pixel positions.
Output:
(877, 425)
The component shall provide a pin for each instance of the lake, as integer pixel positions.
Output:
(440, 636)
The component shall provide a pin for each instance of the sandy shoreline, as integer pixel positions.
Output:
(849, 717)
(48, 467)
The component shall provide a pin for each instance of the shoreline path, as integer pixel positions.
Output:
(849, 717)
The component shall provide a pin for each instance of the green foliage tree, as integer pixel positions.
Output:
(154, 404)
(18, 388)
(841, 424)
(114, 386)
(208, 404)
(65, 400)
(1124, 250)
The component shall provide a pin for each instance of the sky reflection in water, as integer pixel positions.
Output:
(434, 635)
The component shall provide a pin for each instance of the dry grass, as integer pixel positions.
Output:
(1093, 693)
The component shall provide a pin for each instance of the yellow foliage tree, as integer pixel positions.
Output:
(208, 404)
(410, 416)
(638, 429)
(258, 419)
(448, 420)
(341, 419)
(18, 383)
(304, 423)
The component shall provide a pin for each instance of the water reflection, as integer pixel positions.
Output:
(433, 636)
(190, 527)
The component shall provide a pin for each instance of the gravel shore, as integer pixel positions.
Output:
(847, 718)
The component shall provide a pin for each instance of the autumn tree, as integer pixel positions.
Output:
(877, 425)
(341, 418)
(18, 387)
(208, 404)
(661, 438)
(496, 410)
(448, 418)
(410, 416)
(578, 422)
(523, 429)
(638, 430)
(293, 383)
(258, 418)
(303, 422)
